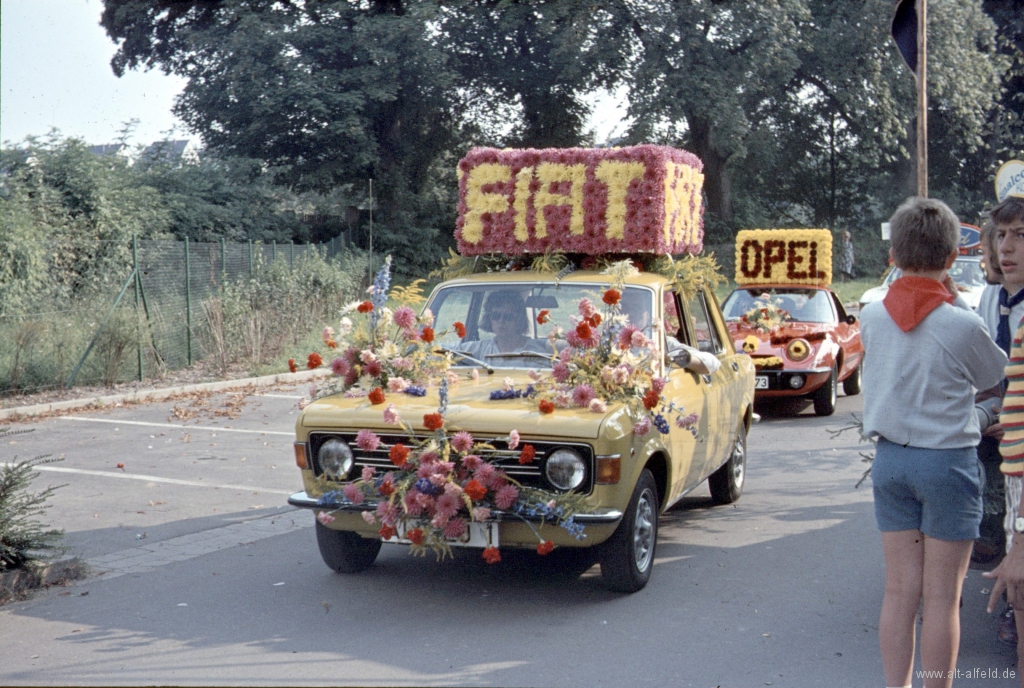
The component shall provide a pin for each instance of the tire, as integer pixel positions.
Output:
(851, 385)
(346, 552)
(627, 557)
(727, 482)
(825, 397)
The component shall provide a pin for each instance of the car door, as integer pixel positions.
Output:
(848, 338)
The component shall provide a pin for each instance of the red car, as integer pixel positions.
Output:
(801, 339)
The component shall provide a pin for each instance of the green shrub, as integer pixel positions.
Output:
(22, 536)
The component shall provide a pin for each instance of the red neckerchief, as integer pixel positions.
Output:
(911, 299)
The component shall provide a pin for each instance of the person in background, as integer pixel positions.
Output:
(925, 353)
(845, 256)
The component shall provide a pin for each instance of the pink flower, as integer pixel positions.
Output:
(626, 336)
(401, 363)
(328, 334)
(391, 415)
(453, 489)
(579, 342)
(366, 356)
(513, 439)
(455, 529)
(425, 501)
(325, 518)
(387, 513)
(598, 406)
(507, 384)
(560, 371)
(412, 504)
(475, 374)
(404, 317)
(368, 473)
(621, 375)
(485, 474)
(471, 462)
(481, 513)
(437, 479)
(586, 308)
(565, 355)
(373, 369)
(447, 505)
(582, 395)
(639, 341)
(506, 496)
(397, 384)
(687, 421)
(339, 367)
(367, 440)
(533, 374)
(462, 441)
(440, 520)
(658, 384)
(563, 399)
(368, 517)
(353, 494)
(642, 427)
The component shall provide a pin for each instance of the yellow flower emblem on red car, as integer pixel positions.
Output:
(750, 344)
(798, 350)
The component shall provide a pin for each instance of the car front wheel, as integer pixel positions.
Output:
(346, 552)
(851, 385)
(627, 557)
(727, 482)
(825, 397)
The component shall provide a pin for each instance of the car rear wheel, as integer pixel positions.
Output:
(727, 482)
(627, 557)
(851, 385)
(825, 397)
(346, 552)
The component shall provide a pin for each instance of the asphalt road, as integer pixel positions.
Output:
(201, 574)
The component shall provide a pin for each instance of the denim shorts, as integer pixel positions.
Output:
(936, 491)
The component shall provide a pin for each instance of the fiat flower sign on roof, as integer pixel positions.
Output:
(578, 200)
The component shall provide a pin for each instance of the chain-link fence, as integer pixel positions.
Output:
(176, 303)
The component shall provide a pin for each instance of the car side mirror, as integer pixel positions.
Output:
(851, 320)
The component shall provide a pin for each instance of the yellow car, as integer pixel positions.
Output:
(504, 335)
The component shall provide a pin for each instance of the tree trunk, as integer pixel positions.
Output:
(717, 185)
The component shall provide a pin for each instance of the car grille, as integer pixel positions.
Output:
(531, 475)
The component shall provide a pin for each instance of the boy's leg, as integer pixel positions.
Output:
(945, 565)
(904, 569)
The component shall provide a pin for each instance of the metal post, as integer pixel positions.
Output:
(922, 98)
(250, 259)
(273, 250)
(188, 303)
(120, 295)
(138, 319)
(291, 253)
(223, 265)
(371, 231)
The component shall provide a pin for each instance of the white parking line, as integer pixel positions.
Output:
(175, 425)
(283, 396)
(158, 479)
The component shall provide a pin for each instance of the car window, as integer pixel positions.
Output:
(803, 305)
(503, 320)
(703, 330)
(967, 272)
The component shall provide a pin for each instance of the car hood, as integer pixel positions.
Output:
(469, 408)
(774, 344)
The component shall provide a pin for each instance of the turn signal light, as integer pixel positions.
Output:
(300, 455)
(609, 469)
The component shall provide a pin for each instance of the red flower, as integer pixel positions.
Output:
(427, 335)
(314, 361)
(651, 399)
(611, 297)
(492, 555)
(546, 406)
(365, 307)
(594, 320)
(376, 396)
(583, 330)
(527, 455)
(331, 344)
(545, 547)
(543, 317)
(387, 488)
(399, 454)
(415, 536)
(433, 421)
(291, 366)
(474, 490)
(460, 330)
(387, 532)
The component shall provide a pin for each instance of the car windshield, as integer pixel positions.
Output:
(502, 328)
(965, 271)
(803, 305)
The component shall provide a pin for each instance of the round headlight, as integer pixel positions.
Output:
(798, 350)
(565, 469)
(796, 382)
(335, 458)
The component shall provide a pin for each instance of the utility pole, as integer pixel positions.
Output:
(922, 98)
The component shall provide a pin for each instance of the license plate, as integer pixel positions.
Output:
(477, 535)
(761, 382)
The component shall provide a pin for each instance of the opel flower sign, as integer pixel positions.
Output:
(1010, 180)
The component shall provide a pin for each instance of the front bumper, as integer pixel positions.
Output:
(604, 517)
(778, 382)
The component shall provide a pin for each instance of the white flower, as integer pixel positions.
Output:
(388, 350)
(507, 384)
(475, 374)
(427, 318)
(386, 317)
(367, 356)
(368, 517)
(344, 327)
(350, 307)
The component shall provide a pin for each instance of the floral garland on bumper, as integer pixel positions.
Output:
(439, 485)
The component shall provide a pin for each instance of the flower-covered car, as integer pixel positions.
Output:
(524, 409)
(802, 341)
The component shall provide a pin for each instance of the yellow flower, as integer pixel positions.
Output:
(750, 344)
(784, 256)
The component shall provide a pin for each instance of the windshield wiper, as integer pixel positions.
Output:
(467, 357)
(523, 354)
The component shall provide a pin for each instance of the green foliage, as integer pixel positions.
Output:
(22, 536)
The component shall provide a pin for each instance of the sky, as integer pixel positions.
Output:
(55, 73)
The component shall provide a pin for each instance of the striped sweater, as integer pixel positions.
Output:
(1011, 447)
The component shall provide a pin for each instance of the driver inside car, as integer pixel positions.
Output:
(504, 314)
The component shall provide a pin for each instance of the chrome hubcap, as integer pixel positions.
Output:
(834, 382)
(643, 531)
(739, 462)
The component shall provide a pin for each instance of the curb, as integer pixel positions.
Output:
(160, 394)
(40, 574)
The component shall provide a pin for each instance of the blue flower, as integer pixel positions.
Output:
(413, 390)
(381, 284)
(661, 424)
